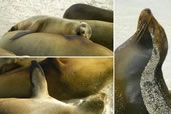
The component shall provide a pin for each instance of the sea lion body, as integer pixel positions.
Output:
(131, 59)
(49, 24)
(46, 44)
(102, 32)
(63, 76)
(40, 98)
(87, 12)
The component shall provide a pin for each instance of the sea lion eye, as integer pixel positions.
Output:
(83, 25)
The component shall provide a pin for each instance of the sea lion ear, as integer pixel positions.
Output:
(38, 80)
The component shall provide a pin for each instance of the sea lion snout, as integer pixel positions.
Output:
(147, 10)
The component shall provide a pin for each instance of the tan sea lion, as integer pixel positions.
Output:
(46, 44)
(49, 24)
(131, 59)
(63, 76)
(87, 12)
(102, 32)
(42, 103)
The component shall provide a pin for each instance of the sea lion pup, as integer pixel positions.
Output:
(63, 76)
(49, 24)
(156, 99)
(102, 32)
(87, 12)
(40, 98)
(131, 59)
(47, 44)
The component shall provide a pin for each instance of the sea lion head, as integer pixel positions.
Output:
(148, 21)
(84, 30)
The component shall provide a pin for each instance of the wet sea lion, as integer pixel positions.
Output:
(46, 44)
(41, 98)
(63, 76)
(49, 24)
(155, 96)
(102, 32)
(87, 12)
(131, 59)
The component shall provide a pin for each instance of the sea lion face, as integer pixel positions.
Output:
(84, 30)
(148, 21)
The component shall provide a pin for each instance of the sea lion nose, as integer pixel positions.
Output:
(147, 10)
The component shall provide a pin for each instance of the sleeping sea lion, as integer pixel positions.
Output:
(42, 103)
(87, 12)
(49, 24)
(131, 59)
(47, 44)
(63, 76)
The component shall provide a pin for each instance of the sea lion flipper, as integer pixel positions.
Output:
(38, 80)
(20, 34)
(95, 103)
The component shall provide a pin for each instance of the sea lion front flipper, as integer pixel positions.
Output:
(38, 80)
(20, 34)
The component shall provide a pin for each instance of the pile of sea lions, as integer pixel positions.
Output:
(140, 86)
(33, 85)
(78, 33)
(42, 103)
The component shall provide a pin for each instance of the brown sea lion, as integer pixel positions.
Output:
(42, 103)
(131, 59)
(63, 76)
(46, 44)
(49, 24)
(87, 12)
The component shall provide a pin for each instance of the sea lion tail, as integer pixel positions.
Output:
(20, 34)
(38, 80)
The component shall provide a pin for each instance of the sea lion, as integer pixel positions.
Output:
(102, 32)
(49, 24)
(63, 76)
(41, 98)
(87, 12)
(131, 59)
(155, 96)
(46, 44)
